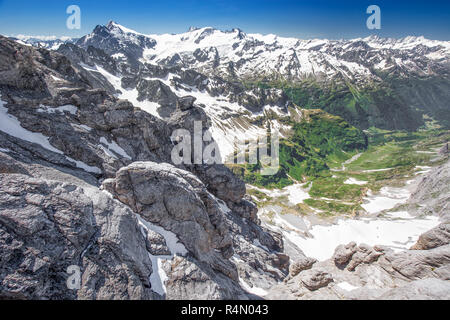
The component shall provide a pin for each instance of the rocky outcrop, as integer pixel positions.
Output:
(48, 226)
(302, 264)
(179, 202)
(362, 272)
(432, 196)
(315, 279)
(344, 253)
(434, 238)
(88, 174)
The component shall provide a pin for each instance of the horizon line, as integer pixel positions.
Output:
(53, 37)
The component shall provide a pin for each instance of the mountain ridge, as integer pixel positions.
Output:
(87, 181)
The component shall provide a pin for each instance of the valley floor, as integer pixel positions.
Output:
(366, 204)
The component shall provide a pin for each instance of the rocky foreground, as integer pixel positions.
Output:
(86, 181)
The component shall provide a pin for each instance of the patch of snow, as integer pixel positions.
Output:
(11, 125)
(118, 56)
(396, 234)
(355, 181)
(175, 247)
(84, 166)
(130, 95)
(4, 150)
(159, 276)
(82, 127)
(423, 169)
(67, 108)
(387, 198)
(347, 286)
(400, 215)
(296, 193)
(56, 78)
(113, 146)
(377, 170)
(253, 290)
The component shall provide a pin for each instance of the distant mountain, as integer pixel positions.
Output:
(47, 42)
(255, 56)
(387, 83)
(239, 77)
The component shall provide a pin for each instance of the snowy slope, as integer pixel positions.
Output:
(210, 50)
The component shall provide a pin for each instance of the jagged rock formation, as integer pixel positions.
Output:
(48, 225)
(364, 272)
(432, 196)
(434, 238)
(373, 273)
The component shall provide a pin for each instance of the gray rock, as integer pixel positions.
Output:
(186, 103)
(364, 254)
(444, 150)
(190, 280)
(315, 279)
(415, 264)
(432, 196)
(426, 289)
(300, 265)
(434, 238)
(179, 202)
(155, 243)
(45, 227)
(344, 253)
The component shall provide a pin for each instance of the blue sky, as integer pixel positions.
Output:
(302, 19)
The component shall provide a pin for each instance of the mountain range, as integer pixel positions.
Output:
(87, 178)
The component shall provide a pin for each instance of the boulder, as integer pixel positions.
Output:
(344, 253)
(434, 238)
(315, 279)
(364, 254)
(301, 264)
(179, 202)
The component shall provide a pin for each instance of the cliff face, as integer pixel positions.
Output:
(433, 194)
(85, 182)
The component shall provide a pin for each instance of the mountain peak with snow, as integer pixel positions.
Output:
(259, 56)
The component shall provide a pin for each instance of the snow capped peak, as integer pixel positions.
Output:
(410, 39)
(406, 43)
(48, 42)
(114, 27)
(210, 50)
(41, 38)
(192, 28)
